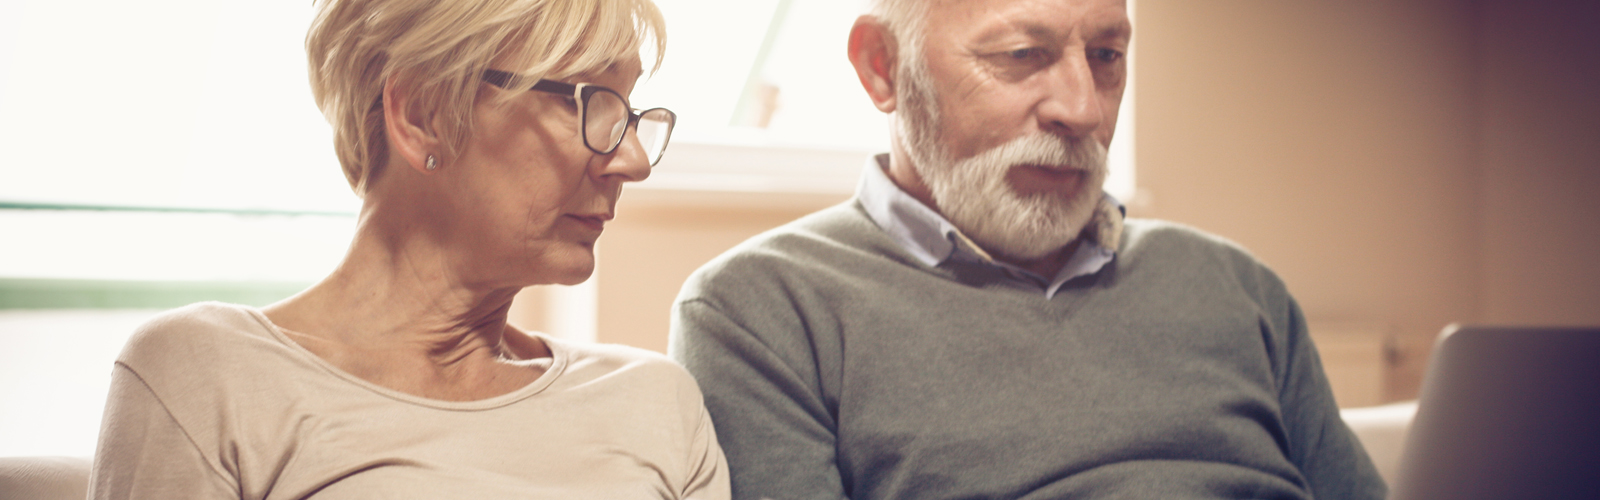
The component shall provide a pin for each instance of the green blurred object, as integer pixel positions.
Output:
(102, 294)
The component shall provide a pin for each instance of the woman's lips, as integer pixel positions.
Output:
(597, 222)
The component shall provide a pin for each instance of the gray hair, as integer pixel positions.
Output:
(906, 20)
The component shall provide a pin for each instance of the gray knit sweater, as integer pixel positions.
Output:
(836, 365)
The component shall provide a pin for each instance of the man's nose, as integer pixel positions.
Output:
(1071, 106)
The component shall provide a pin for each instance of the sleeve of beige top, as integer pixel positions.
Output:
(144, 453)
(708, 477)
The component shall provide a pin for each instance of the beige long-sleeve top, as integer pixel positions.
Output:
(213, 401)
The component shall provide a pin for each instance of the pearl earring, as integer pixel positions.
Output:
(432, 163)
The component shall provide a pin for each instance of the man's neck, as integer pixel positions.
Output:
(1051, 264)
(905, 176)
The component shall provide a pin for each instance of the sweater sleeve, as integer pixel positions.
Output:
(1327, 453)
(772, 422)
(144, 453)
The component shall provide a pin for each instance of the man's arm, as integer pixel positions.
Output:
(766, 401)
(1320, 444)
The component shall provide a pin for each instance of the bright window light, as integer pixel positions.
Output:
(164, 103)
(202, 103)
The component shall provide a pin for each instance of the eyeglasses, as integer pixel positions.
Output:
(606, 115)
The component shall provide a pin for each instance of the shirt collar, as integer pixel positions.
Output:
(920, 230)
(932, 239)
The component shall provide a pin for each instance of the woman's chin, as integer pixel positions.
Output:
(568, 262)
(572, 280)
(570, 269)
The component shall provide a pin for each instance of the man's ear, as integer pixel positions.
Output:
(411, 133)
(873, 52)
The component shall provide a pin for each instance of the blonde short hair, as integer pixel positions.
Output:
(439, 49)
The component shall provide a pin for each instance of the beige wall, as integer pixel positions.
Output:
(1404, 164)
(1401, 164)
(1540, 160)
(1335, 140)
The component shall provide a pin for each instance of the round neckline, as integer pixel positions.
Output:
(560, 357)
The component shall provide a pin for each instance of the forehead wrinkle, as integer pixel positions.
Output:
(1120, 29)
(1057, 35)
(1089, 26)
(1008, 26)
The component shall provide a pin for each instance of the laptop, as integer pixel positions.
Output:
(1506, 413)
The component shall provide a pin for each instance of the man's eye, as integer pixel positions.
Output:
(1105, 55)
(1028, 53)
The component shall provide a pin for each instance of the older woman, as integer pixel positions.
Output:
(489, 141)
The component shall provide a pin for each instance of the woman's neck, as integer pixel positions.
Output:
(401, 313)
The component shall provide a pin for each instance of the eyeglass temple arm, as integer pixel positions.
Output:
(502, 79)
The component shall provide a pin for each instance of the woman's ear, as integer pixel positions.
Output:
(412, 136)
(873, 53)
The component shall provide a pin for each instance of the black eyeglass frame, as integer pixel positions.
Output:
(581, 92)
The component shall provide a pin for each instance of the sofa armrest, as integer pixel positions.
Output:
(1382, 431)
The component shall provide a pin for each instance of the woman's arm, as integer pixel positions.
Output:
(144, 453)
(708, 477)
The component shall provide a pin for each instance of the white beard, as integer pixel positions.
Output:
(973, 193)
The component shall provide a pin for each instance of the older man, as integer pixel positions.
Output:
(980, 321)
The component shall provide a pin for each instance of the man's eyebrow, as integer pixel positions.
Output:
(1038, 30)
(1121, 29)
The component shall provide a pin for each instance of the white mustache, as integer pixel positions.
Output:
(1070, 153)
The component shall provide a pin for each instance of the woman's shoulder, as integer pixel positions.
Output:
(632, 368)
(208, 341)
(195, 329)
(615, 357)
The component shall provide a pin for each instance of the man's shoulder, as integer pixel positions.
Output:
(819, 241)
(811, 261)
(1170, 239)
(842, 224)
(1172, 247)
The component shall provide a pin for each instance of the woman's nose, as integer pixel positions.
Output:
(628, 161)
